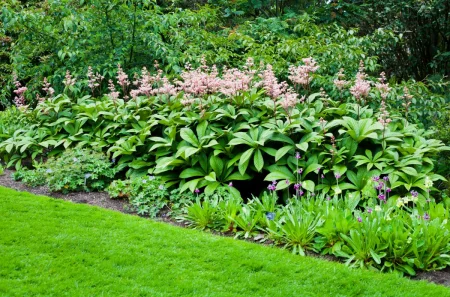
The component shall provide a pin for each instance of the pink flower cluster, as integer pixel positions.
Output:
(288, 100)
(19, 100)
(201, 81)
(153, 85)
(361, 88)
(235, 81)
(47, 88)
(94, 80)
(383, 86)
(69, 80)
(407, 97)
(301, 75)
(340, 83)
(113, 94)
(270, 83)
(384, 114)
(122, 80)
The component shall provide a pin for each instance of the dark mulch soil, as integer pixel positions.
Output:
(441, 277)
(102, 199)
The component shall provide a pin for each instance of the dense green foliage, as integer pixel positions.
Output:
(213, 139)
(422, 28)
(55, 248)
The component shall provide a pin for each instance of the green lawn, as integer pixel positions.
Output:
(55, 248)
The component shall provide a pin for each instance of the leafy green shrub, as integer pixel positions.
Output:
(146, 194)
(32, 178)
(79, 170)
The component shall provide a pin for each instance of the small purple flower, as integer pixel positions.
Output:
(379, 186)
(328, 198)
(322, 176)
(297, 187)
(369, 210)
(359, 219)
(301, 193)
(388, 190)
(300, 171)
(270, 216)
(382, 197)
(161, 187)
(337, 175)
(297, 155)
(113, 160)
(197, 191)
(426, 217)
(287, 182)
(386, 178)
(230, 184)
(274, 182)
(376, 178)
(414, 194)
(144, 181)
(151, 177)
(318, 170)
(271, 187)
(313, 194)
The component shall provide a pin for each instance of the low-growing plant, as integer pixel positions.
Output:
(31, 178)
(119, 189)
(146, 194)
(204, 214)
(79, 170)
(247, 222)
(297, 228)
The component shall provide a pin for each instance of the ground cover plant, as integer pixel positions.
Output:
(53, 248)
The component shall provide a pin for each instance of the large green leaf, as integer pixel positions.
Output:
(258, 160)
(245, 159)
(188, 135)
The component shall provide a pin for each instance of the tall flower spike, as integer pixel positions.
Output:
(301, 75)
(340, 83)
(362, 87)
(407, 98)
(19, 100)
(69, 80)
(383, 86)
(46, 87)
(94, 80)
(112, 89)
(271, 85)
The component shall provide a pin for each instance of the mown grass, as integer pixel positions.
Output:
(52, 247)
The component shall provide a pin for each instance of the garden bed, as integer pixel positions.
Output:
(103, 200)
